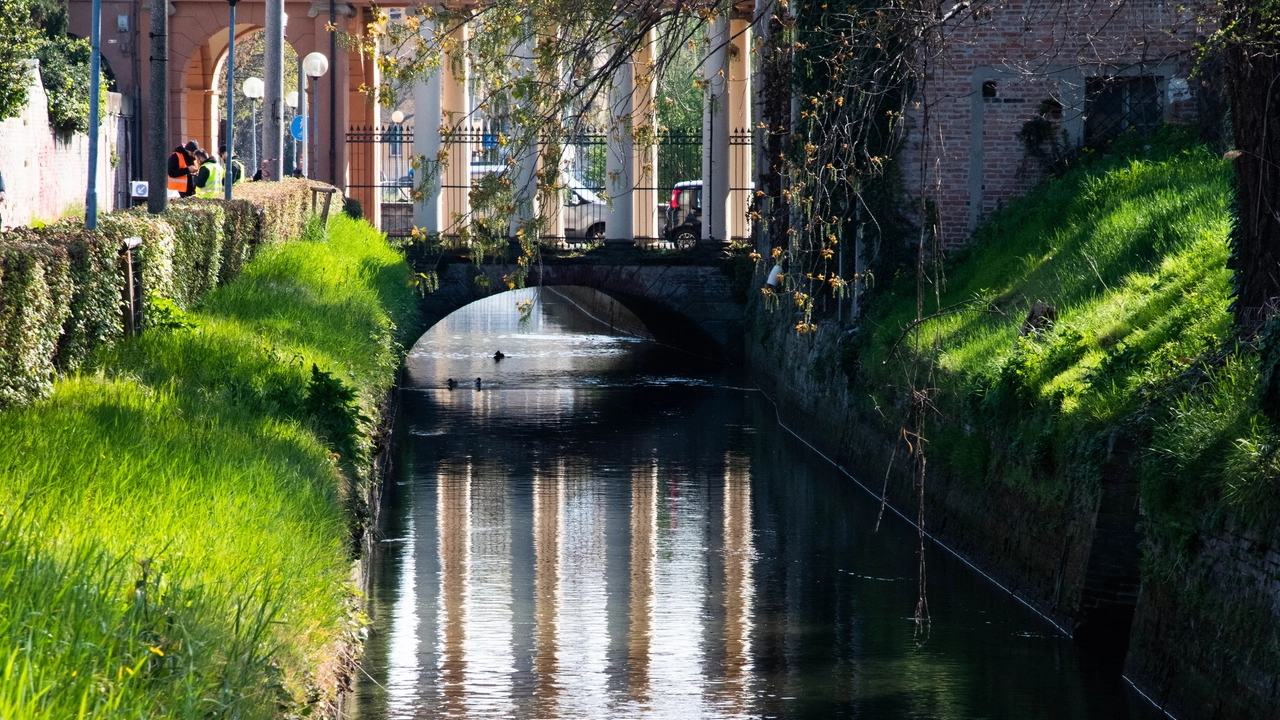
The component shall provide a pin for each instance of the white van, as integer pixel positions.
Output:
(583, 212)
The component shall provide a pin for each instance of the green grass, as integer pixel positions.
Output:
(176, 536)
(1132, 252)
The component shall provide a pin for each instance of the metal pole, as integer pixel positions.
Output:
(231, 98)
(305, 148)
(253, 120)
(158, 192)
(333, 95)
(95, 80)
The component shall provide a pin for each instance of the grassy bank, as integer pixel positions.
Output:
(1132, 250)
(177, 518)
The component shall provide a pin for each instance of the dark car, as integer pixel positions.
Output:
(684, 215)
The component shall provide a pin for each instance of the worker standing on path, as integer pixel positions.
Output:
(182, 169)
(209, 179)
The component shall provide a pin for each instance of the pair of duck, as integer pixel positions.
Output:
(497, 356)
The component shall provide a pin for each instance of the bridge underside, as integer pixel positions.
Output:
(688, 306)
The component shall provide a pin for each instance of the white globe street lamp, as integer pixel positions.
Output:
(397, 117)
(252, 89)
(291, 99)
(313, 66)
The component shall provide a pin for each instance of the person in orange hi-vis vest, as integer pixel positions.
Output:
(182, 169)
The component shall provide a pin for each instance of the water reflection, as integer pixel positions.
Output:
(605, 530)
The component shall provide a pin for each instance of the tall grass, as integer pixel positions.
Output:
(1132, 252)
(175, 539)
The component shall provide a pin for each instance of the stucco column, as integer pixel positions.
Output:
(455, 116)
(740, 176)
(525, 172)
(620, 157)
(763, 29)
(331, 119)
(715, 133)
(273, 93)
(645, 121)
(427, 143)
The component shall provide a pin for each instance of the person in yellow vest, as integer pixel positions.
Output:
(182, 169)
(209, 179)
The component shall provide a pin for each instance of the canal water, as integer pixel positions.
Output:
(610, 528)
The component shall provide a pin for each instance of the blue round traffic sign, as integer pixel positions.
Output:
(298, 127)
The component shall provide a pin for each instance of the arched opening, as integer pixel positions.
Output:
(544, 335)
(250, 62)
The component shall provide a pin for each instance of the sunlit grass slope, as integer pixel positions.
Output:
(1132, 251)
(176, 537)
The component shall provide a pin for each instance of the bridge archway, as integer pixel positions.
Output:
(688, 306)
(197, 42)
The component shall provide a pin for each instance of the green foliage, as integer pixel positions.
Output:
(35, 293)
(95, 318)
(332, 409)
(18, 39)
(61, 303)
(177, 547)
(1131, 250)
(64, 70)
(351, 207)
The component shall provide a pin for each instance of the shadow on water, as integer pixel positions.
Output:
(610, 528)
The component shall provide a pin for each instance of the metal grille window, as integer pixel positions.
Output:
(1116, 104)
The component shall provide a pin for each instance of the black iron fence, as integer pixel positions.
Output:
(381, 177)
(381, 172)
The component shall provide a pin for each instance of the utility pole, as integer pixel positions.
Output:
(273, 101)
(231, 100)
(95, 81)
(158, 187)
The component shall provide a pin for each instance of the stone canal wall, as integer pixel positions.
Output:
(1206, 638)
(1202, 643)
(1036, 550)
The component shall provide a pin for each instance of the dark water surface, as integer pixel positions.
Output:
(614, 529)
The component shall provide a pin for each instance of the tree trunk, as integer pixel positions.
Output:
(1253, 86)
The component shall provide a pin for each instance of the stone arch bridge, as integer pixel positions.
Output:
(693, 303)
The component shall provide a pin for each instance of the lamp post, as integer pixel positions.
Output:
(252, 88)
(314, 65)
(291, 99)
(95, 73)
(229, 176)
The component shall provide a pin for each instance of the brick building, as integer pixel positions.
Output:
(1091, 68)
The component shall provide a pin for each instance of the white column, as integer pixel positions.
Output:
(620, 157)
(644, 117)
(525, 173)
(715, 133)
(455, 107)
(762, 29)
(740, 123)
(428, 109)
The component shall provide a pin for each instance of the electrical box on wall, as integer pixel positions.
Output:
(122, 23)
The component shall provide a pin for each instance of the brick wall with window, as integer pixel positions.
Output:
(1086, 71)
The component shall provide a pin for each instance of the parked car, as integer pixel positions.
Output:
(583, 212)
(684, 215)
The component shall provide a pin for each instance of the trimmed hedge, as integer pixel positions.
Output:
(61, 285)
(35, 294)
